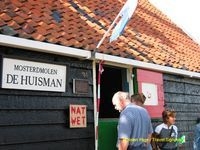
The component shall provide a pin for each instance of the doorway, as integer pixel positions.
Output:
(113, 79)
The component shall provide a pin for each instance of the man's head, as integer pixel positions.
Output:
(138, 99)
(120, 100)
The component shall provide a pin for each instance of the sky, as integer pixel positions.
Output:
(184, 13)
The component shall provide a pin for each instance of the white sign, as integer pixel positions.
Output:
(151, 94)
(30, 75)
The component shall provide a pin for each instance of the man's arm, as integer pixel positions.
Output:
(124, 132)
(123, 144)
(149, 138)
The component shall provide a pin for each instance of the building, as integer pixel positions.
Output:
(56, 35)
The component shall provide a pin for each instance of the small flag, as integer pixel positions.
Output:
(101, 67)
(125, 13)
(182, 139)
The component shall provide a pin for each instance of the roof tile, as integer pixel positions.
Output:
(14, 25)
(19, 20)
(11, 13)
(52, 39)
(7, 31)
(23, 34)
(17, 3)
(38, 37)
(2, 23)
(5, 17)
(28, 28)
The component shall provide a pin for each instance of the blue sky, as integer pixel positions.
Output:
(184, 13)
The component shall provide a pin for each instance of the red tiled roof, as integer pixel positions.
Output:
(149, 36)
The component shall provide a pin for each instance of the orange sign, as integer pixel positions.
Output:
(78, 117)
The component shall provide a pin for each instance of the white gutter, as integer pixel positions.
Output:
(43, 47)
(144, 65)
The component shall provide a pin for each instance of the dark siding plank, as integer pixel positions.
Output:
(170, 87)
(192, 89)
(83, 144)
(42, 133)
(33, 117)
(180, 107)
(182, 98)
(176, 78)
(41, 102)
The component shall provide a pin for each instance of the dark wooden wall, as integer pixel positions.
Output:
(35, 120)
(183, 95)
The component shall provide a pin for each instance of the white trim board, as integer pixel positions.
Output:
(43, 47)
(145, 65)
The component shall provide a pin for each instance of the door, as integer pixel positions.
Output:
(112, 80)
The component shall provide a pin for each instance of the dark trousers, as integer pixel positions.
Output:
(168, 148)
